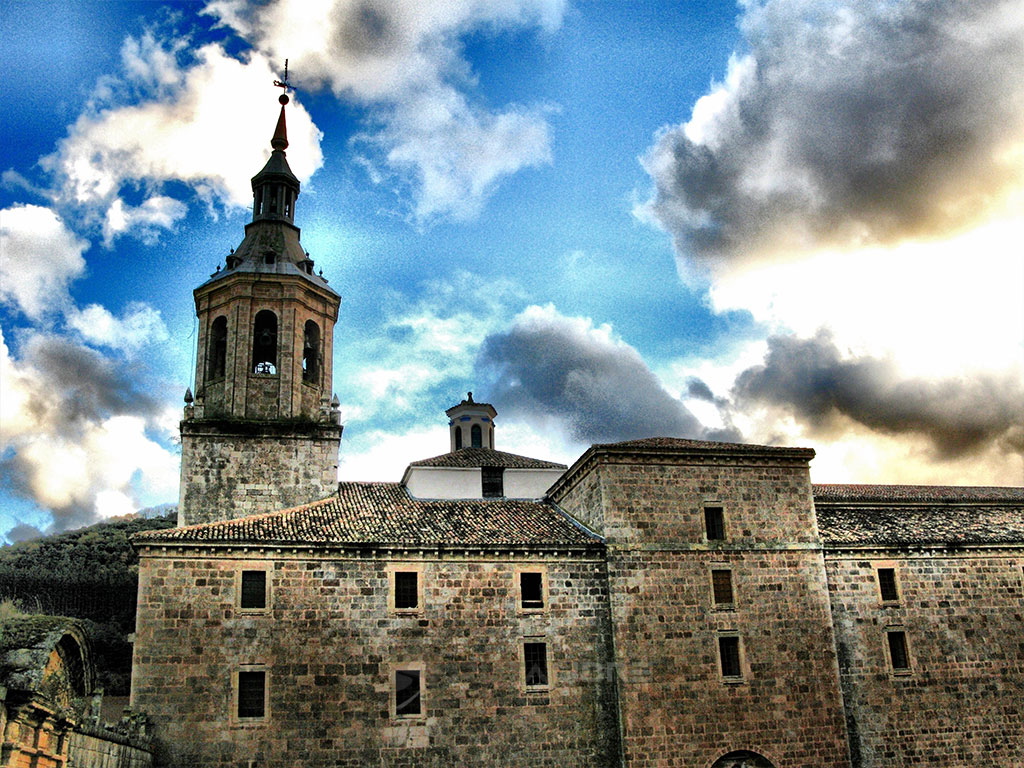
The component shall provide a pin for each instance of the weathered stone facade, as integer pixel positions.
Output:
(678, 708)
(236, 468)
(329, 642)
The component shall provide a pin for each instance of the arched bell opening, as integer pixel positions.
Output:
(476, 436)
(311, 353)
(217, 349)
(264, 343)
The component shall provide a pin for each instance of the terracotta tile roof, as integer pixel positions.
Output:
(913, 515)
(678, 443)
(485, 457)
(827, 493)
(385, 514)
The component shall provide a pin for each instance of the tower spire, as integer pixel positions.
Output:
(280, 140)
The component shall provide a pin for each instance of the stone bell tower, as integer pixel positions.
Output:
(262, 432)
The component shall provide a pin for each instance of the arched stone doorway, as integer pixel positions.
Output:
(743, 759)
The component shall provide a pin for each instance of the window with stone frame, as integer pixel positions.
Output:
(408, 693)
(714, 522)
(729, 657)
(253, 594)
(252, 692)
(531, 590)
(535, 664)
(721, 587)
(899, 657)
(887, 586)
(407, 595)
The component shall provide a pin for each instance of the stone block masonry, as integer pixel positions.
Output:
(235, 468)
(960, 701)
(680, 704)
(329, 645)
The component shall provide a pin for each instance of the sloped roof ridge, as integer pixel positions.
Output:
(689, 443)
(856, 492)
(381, 513)
(477, 457)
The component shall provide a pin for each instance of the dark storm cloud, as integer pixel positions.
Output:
(810, 379)
(600, 389)
(22, 532)
(848, 124)
(83, 385)
(65, 393)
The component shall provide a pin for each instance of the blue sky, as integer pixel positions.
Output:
(782, 222)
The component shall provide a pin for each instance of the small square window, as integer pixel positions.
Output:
(406, 590)
(407, 693)
(721, 584)
(714, 523)
(492, 479)
(729, 656)
(254, 590)
(535, 664)
(531, 589)
(887, 585)
(252, 688)
(898, 656)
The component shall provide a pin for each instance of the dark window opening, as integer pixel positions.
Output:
(407, 692)
(729, 653)
(258, 203)
(887, 585)
(714, 523)
(476, 436)
(535, 661)
(273, 208)
(254, 589)
(898, 651)
(251, 694)
(311, 353)
(492, 481)
(218, 348)
(406, 589)
(721, 582)
(288, 204)
(531, 588)
(458, 438)
(264, 342)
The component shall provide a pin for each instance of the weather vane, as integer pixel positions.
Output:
(284, 85)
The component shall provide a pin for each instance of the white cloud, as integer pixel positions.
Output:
(205, 125)
(158, 212)
(847, 125)
(74, 435)
(140, 325)
(938, 308)
(39, 256)
(404, 60)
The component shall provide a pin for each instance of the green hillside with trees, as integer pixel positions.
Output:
(91, 574)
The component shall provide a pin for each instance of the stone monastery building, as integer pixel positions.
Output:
(661, 602)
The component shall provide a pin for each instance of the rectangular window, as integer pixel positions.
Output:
(254, 590)
(407, 693)
(721, 584)
(887, 585)
(898, 650)
(714, 523)
(729, 655)
(535, 664)
(493, 483)
(406, 590)
(252, 687)
(531, 588)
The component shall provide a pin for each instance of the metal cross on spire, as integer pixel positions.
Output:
(284, 84)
